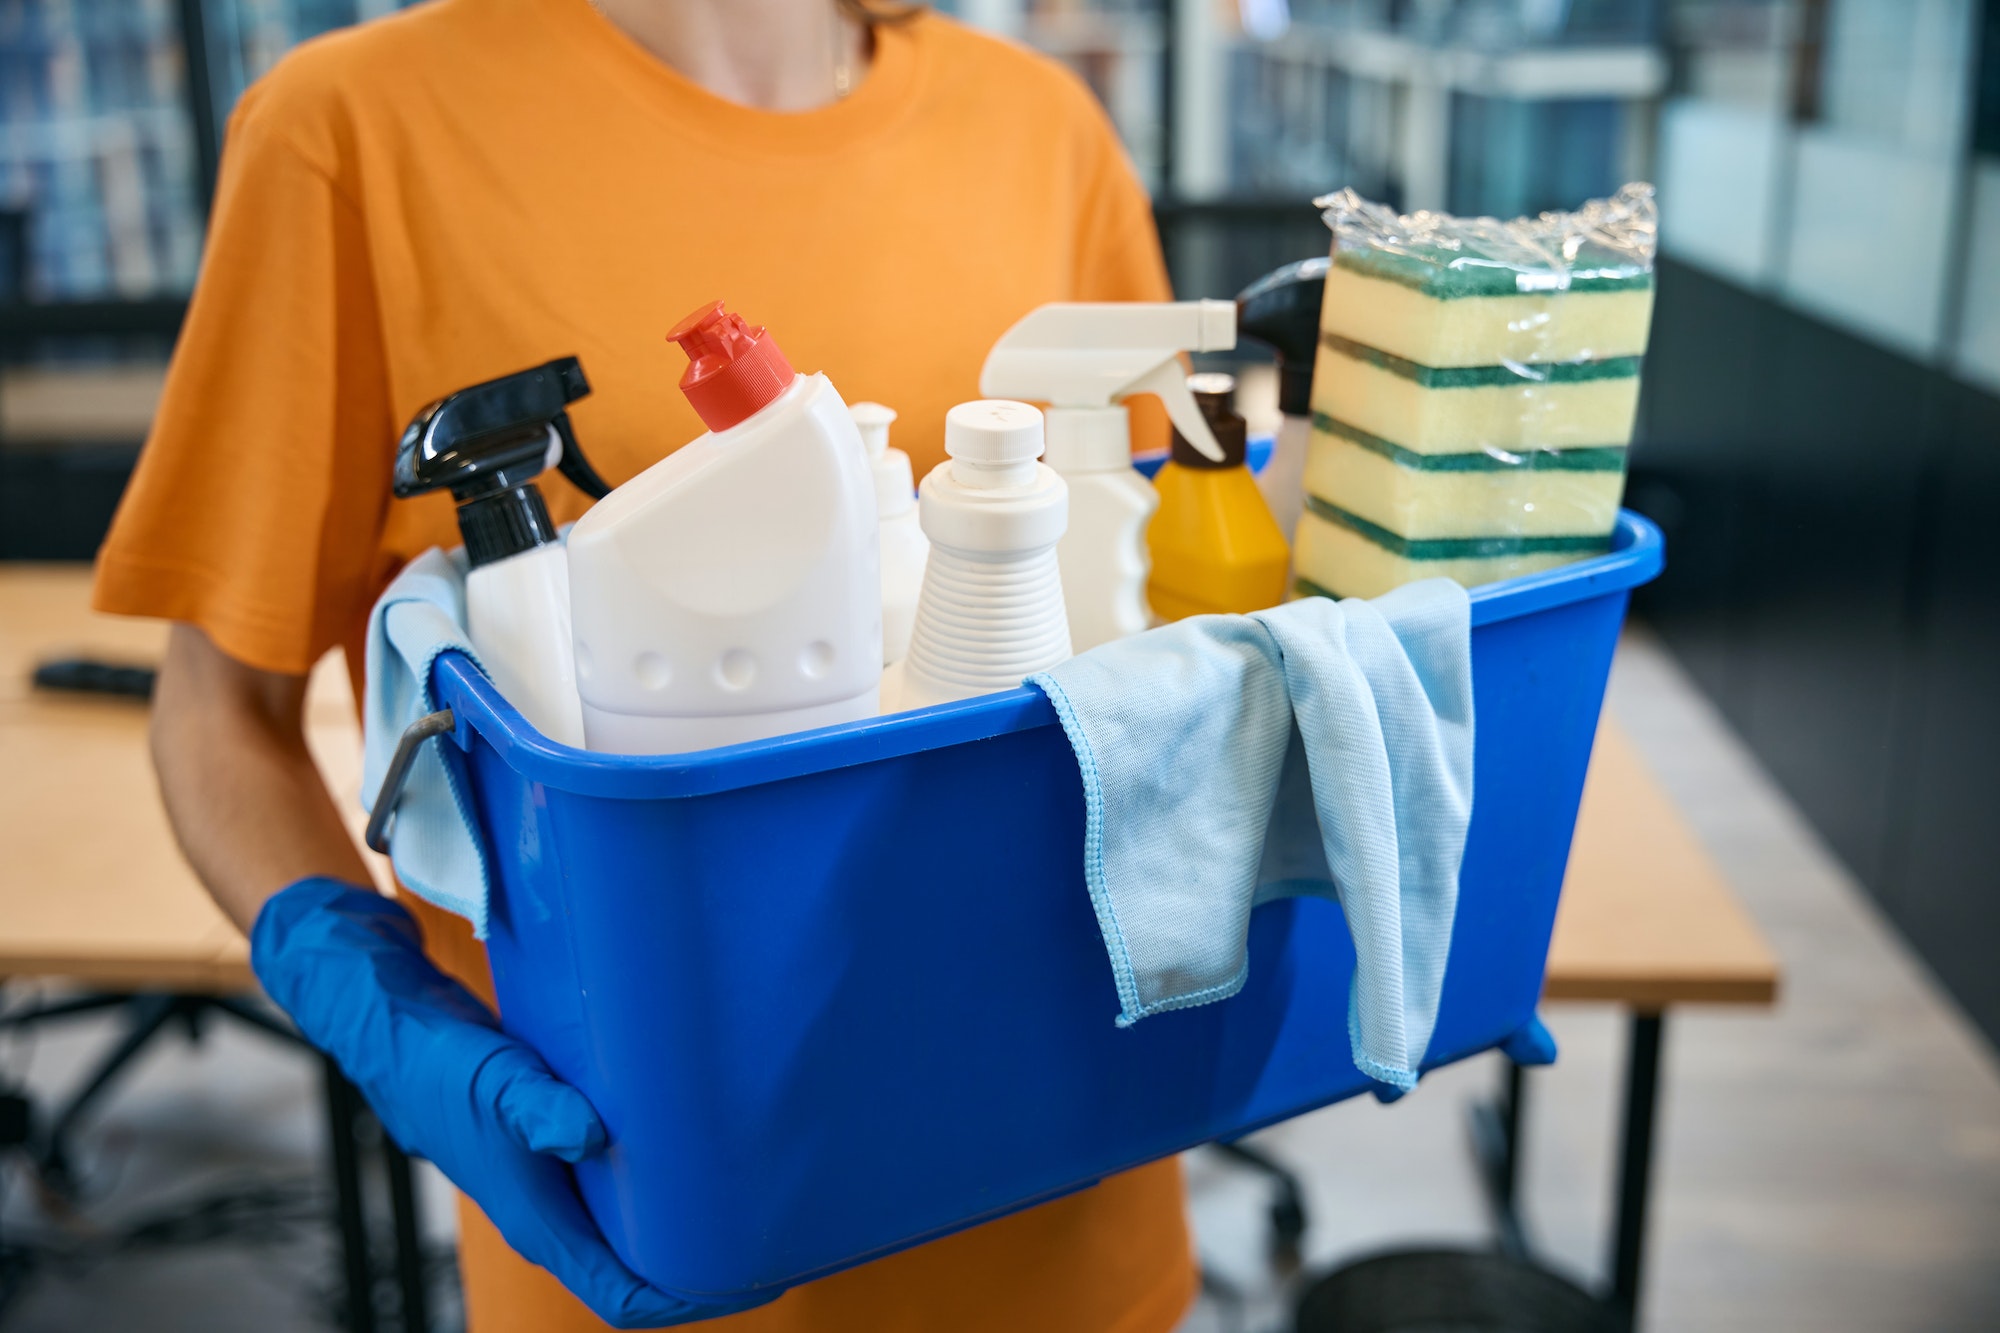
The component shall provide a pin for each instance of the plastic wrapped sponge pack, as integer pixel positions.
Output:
(1474, 391)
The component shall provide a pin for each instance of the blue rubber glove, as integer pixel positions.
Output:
(348, 965)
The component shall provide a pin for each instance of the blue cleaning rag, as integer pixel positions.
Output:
(1317, 749)
(432, 844)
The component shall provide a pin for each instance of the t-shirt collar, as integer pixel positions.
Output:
(883, 96)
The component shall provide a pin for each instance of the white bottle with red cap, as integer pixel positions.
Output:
(732, 591)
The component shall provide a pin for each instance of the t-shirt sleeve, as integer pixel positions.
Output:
(1118, 255)
(1118, 250)
(257, 505)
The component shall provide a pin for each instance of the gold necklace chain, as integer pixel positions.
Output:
(843, 73)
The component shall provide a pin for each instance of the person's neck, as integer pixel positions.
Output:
(774, 55)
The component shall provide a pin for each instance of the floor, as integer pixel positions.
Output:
(203, 1193)
(1833, 1164)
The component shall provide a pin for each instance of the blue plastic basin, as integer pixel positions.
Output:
(840, 993)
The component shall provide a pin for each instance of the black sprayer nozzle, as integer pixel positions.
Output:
(487, 444)
(495, 435)
(1215, 395)
(1282, 310)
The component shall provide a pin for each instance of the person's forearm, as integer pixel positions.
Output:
(241, 790)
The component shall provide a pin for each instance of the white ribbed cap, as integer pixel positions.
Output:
(993, 442)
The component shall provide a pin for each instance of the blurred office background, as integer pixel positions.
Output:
(1820, 428)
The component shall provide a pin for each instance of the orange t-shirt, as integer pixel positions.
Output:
(475, 186)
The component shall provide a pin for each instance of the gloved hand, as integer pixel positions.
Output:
(348, 966)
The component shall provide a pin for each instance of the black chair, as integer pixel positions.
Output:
(45, 1140)
(1449, 1291)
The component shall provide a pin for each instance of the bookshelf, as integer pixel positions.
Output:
(111, 114)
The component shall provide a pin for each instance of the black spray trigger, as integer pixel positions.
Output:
(1281, 310)
(487, 444)
(573, 464)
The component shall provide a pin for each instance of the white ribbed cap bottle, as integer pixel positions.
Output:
(991, 610)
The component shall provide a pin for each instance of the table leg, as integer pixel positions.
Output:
(1635, 1164)
(1496, 1141)
(342, 1112)
(16, 1261)
(1496, 1144)
(409, 1239)
(1507, 1167)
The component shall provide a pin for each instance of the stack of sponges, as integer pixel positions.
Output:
(1474, 392)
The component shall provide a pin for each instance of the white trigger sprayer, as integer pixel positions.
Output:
(1084, 360)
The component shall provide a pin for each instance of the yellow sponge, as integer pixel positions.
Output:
(1435, 324)
(1339, 554)
(1474, 391)
(1487, 494)
(1461, 409)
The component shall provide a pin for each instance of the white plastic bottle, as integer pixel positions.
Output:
(1283, 480)
(517, 615)
(487, 444)
(732, 591)
(1104, 558)
(992, 605)
(904, 547)
(1084, 360)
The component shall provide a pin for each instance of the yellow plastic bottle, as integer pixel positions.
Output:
(1215, 546)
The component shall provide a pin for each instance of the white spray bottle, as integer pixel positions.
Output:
(1084, 360)
(487, 445)
(905, 549)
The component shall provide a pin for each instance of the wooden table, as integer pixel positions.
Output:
(1647, 922)
(95, 889)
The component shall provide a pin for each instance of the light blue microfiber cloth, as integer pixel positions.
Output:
(1317, 749)
(432, 843)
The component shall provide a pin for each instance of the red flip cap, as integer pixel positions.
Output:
(734, 369)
